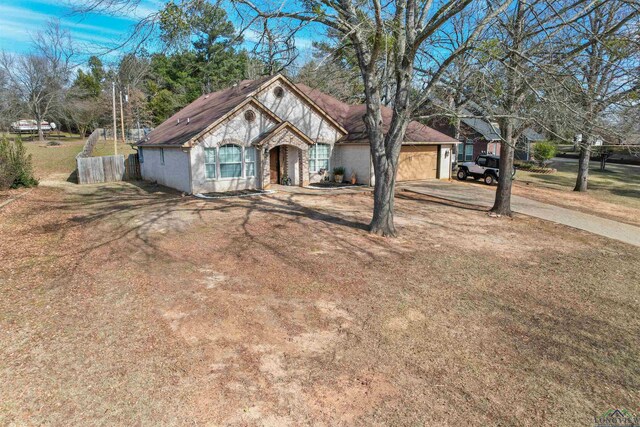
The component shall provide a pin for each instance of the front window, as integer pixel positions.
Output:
(250, 162)
(210, 162)
(482, 161)
(230, 161)
(319, 157)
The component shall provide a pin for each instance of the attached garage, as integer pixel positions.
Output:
(417, 162)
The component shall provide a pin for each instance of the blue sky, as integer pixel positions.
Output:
(92, 33)
(20, 19)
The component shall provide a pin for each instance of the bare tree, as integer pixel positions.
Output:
(84, 114)
(274, 49)
(10, 106)
(40, 78)
(604, 77)
(521, 57)
(387, 41)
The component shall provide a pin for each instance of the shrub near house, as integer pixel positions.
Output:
(15, 165)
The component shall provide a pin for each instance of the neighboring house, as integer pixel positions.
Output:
(257, 132)
(477, 136)
(480, 136)
(524, 146)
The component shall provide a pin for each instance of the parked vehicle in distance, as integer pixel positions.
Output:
(486, 167)
(31, 126)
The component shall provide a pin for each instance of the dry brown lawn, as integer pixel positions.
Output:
(613, 193)
(125, 305)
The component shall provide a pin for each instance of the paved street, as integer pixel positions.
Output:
(481, 195)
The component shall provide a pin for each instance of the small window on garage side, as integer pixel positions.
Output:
(210, 163)
(140, 155)
(162, 156)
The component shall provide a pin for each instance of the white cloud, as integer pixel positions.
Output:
(143, 9)
(19, 24)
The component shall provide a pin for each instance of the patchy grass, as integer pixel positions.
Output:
(50, 160)
(617, 184)
(124, 305)
(614, 193)
(59, 161)
(106, 148)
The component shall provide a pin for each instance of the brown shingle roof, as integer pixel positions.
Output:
(197, 116)
(201, 113)
(351, 118)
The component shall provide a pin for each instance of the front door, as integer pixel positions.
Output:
(274, 165)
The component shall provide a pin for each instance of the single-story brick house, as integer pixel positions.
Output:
(253, 134)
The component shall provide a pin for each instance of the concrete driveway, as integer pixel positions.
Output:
(481, 195)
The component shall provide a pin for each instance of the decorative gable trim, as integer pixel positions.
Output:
(284, 126)
(304, 97)
(250, 101)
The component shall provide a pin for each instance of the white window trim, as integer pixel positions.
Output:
(215, 149)
(316, 158)
(218, 162)
(243, 164)
(244, 161)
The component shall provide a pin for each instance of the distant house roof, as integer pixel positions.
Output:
(194, 119)
(489, 130)
(532, 135)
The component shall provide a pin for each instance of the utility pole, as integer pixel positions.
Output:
(122, 117)
(115, 128)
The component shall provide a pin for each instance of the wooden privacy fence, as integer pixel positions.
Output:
(132, 167)
(92, 170)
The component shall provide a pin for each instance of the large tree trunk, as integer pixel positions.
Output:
(384, 155)
(383, 197)
(583, 166)
(502, 204)
(40, 132)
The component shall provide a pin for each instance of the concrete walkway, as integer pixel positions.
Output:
(481, 195)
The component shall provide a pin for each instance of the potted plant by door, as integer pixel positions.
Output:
(338, 174)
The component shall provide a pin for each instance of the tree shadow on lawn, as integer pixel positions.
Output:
(129, 215)
(417, 197)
